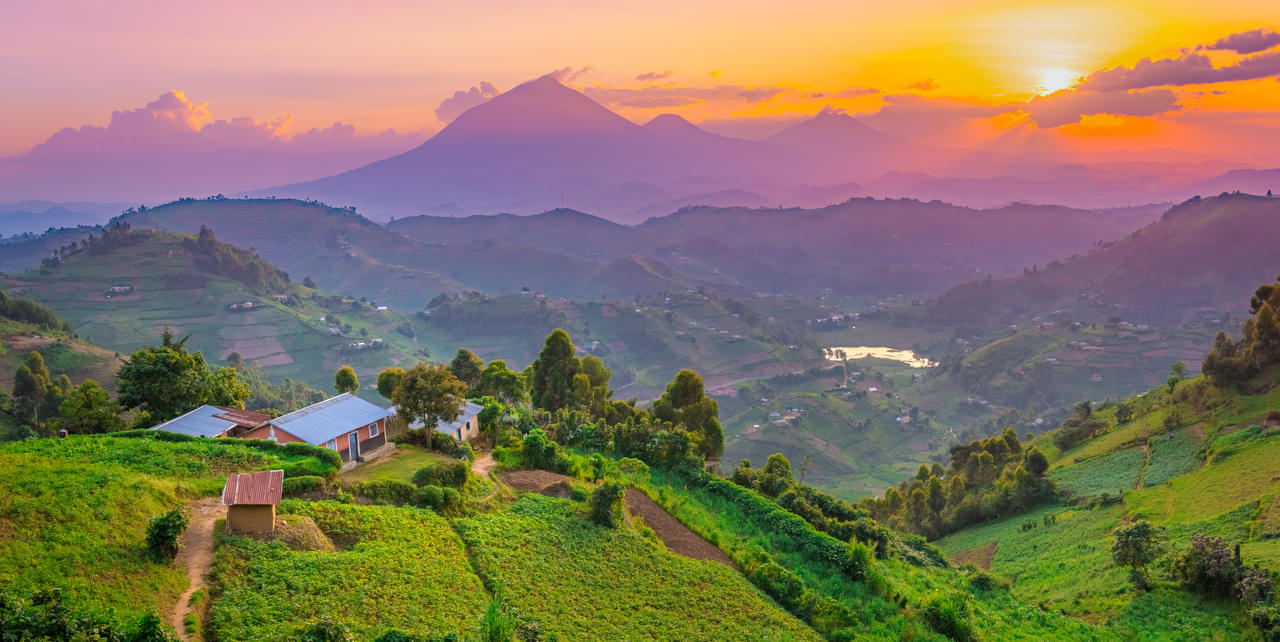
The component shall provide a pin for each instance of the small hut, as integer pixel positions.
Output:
(251, 500)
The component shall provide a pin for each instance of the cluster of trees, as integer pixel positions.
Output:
(1208, 566)
(230, 261)
(165, 381)
(27, 311)
(567, 397)
(272, 398)
(986, 479)
(1080, 427)
(43, 405)
(1231, 364)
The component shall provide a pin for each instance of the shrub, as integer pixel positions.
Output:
(303, 485)
(606, 504)
(163, 532)
(47, 616)
(431, 496)
(326, 629)
(950, 616)
(445, 473)
(1207, 566)
(386, 491)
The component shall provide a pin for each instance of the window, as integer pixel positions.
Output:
(333, 444)
(373, 430)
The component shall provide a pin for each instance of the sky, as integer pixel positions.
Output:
(981, 74)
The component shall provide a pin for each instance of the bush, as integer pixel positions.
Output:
(326, 629)
(446, 473)
(303, 485)
(386, 491)
(606, 504)
(47, 616)
(431, 497)
(1207, 566)
(950, 616)
(163, 532)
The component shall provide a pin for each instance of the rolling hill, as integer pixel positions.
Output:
(1196, 263)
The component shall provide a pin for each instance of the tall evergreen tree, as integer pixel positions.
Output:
(551, 385)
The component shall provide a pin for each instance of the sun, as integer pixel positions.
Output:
(1054, 79)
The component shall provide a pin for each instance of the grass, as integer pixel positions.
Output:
(399, 466)
(74, 511)
(399, 568)
(1171, 455)
(584, 582)
(1113, 473)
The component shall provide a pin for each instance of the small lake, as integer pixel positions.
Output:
(878, 352)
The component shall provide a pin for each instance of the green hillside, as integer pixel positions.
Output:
(1195, 458)
(169, 283)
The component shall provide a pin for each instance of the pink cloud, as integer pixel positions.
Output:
(567, 75)
(1188, 69)
(655, 75)
(927, 84)
(461, 101)
(1247, 42)
(1067, 106)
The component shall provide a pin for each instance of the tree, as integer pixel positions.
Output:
(500, 382)
(466, 366)
(1208, 565)
(88, 409)
(167, 381)
(1124, 412)
(1037, 463)
(552, 382)
(388, 380)
(431, 394)
(685, 403)
(1137, 545)
(344, 380)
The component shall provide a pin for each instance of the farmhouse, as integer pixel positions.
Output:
(214, 421)
(465, 428)
(251, 500)
(345, 423)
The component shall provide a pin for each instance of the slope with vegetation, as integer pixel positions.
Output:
(1159, 488)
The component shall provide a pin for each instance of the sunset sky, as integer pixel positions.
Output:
(968, 71)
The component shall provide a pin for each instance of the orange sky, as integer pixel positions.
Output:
(382, 65)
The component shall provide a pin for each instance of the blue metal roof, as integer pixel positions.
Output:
(329, 419)
(198, 423)
(469, 409)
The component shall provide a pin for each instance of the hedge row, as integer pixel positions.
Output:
(770, 516)
(399, 493)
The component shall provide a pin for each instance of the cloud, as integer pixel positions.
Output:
(760, 94)
(655, 75)
(668, 96)
(1067, 106)
(1246, 42)
(923, 85)
(569, 74)
(134, 156)
(854, 92)
(461, 101)
(716, 73)
(1188, 69)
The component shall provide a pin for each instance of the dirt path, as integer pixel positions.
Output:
(678, 538)
(483, 464)
(196, 554)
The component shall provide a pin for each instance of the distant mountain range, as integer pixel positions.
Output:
(543, 145)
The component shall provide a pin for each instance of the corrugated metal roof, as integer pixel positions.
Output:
(242, 418)
(329, 419)
(201, 422)
(262, 487)
(469, 409)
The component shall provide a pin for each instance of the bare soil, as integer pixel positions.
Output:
(678, 538)
(530, 481)
(980, 557)
(482, 464)
(196, 554)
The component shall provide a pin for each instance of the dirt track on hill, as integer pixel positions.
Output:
(678, 538)
(196, 554)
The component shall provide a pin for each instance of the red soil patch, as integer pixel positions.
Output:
(530, 481)
(980, 557)
(678, 538)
